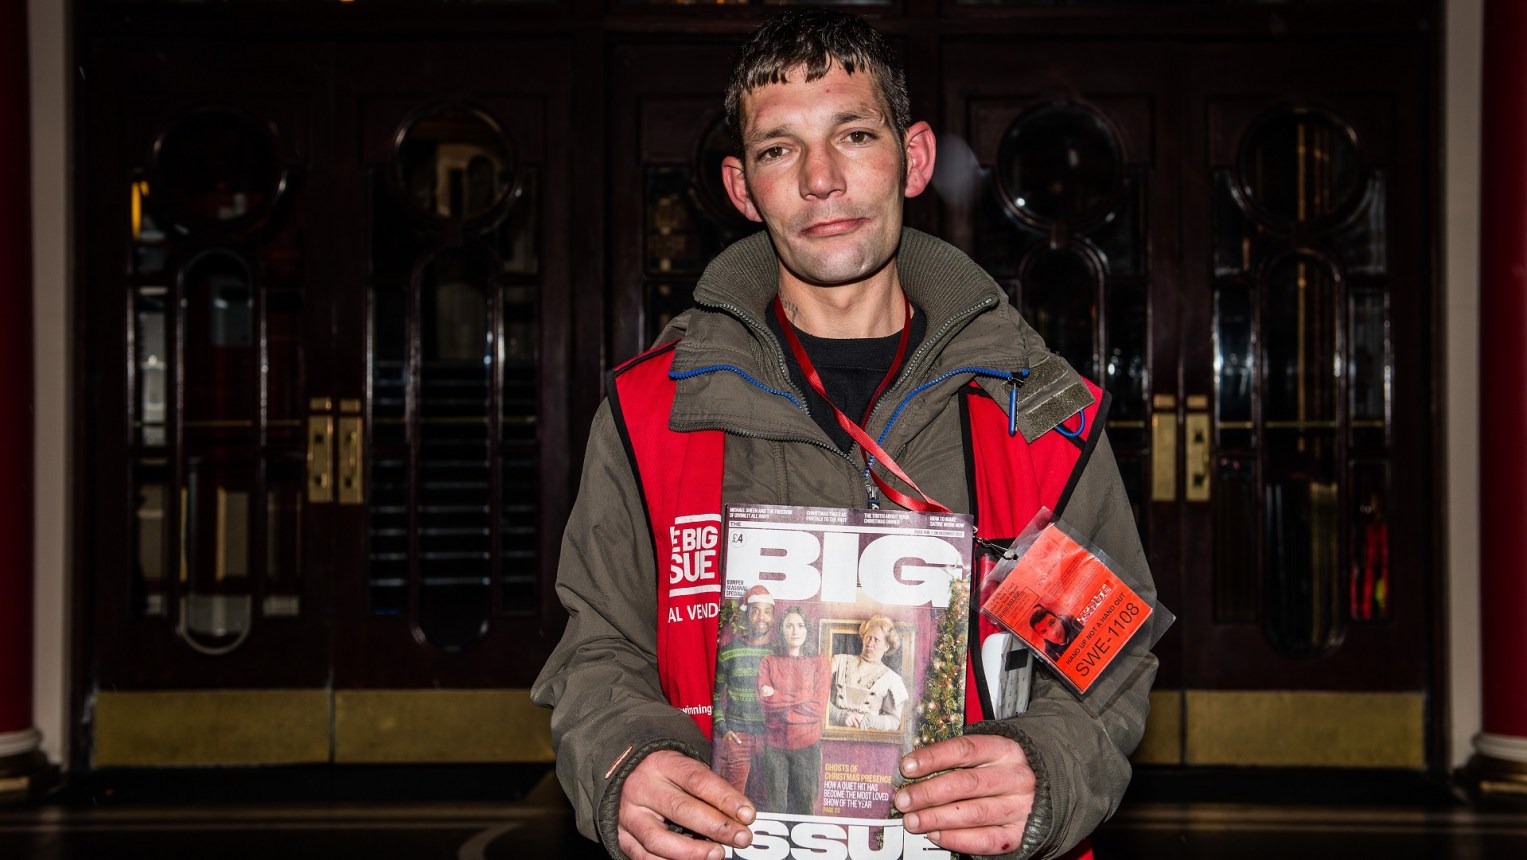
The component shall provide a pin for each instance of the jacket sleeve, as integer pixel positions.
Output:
(601, 682)
(1079, 752)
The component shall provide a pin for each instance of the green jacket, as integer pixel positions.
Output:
(602, 679)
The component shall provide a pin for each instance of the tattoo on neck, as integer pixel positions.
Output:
(791, 309)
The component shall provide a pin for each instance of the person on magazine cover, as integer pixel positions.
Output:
(1057, 630)
(737, 717)
(866, 693)
(906, 336)
(792, 689)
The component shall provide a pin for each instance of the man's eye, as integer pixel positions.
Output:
(771, 153)
(859, 137)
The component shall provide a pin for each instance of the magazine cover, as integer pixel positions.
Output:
(1073, 611)
(843, 635)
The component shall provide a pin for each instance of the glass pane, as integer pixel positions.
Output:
(1059, 164)
(216, 608)
(1369, 586)
(285, 494)
(1299, 341)
(149, 247)
(1235, 528)
(455, 541)
(518, 244)
(216, 165)
(673, 241)
(388, 454)
(1372, 367)
(152, 363)
(666, 300)
(1235, 233)
(1002, 240)
(520, 491)
(1126, 377)
(220, 363)
(689, 216)
(284, 398)
(1235, 366)
(1121, 237)
(1363, 241)
(1304, 586)
(1298, 164)
(149, 537)
(1060, 294)
(1134, 469)
(454, 163)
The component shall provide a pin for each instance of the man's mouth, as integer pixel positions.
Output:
(833, 227)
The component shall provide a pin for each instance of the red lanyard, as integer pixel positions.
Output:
(867, 445)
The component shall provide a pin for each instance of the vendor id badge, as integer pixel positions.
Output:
(1073, 611)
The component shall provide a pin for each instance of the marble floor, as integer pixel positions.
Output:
(237, 822)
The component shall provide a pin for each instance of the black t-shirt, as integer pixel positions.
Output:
(851, 370)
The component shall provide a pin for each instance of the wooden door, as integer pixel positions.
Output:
(1228, 239)
(329, 339)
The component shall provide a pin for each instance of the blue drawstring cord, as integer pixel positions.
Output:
(700, 371)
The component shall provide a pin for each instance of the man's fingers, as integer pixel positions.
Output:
(963, 751)
(701, 782)
(966, 784)
(669, 787)
(652, 839)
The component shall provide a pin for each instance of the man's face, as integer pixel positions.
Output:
(823, 169)
(1050, 629)
(760, 619)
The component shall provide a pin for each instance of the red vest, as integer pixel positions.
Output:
(680, 477)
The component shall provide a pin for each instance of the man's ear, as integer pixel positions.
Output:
(737, 187)
(921, 150)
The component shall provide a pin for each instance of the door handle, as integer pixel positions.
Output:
(1197, 454)
(1164, 448)
(352, 453)
(320, 451)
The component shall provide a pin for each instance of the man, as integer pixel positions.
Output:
(738, 718)
(911, 340)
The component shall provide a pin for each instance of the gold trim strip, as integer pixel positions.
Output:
(211, 727)
(1128, 425)
(1301, 425)
(438, 726)
(1162, 743)
(221, 422)
(1299, 728)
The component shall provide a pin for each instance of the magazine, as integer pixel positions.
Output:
(842, 648)
(1074, 613)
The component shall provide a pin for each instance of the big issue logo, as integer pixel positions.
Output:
(694, 545)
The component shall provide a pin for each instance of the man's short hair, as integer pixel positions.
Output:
(816, 39)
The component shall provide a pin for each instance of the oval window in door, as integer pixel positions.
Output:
(1300, 165)
(216, 166)
(1060, 164)
(453, 163)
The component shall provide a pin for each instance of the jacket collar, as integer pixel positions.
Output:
(728, 329)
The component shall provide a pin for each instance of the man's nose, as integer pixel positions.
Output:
(821, 174)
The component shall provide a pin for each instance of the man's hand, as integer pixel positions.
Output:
(732, 738)
(983, 801)
(672, 787)
(765, 691)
